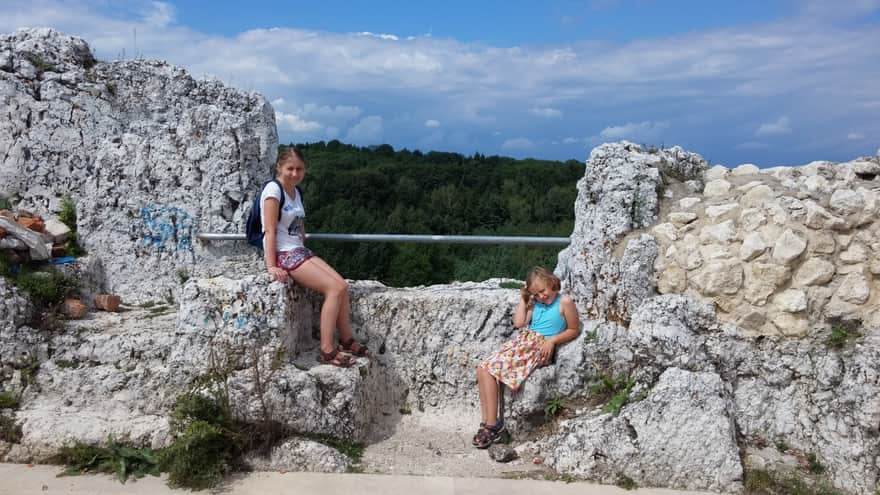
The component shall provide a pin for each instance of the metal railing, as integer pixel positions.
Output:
(424, 239)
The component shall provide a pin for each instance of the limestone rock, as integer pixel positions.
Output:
(745, 169)
(33, 240)
(753, 246)
(715, 211)
(672, 280)
(159, 158)
(856, 253)
(716, 172)
(717, 187)
(723, 232)
(299, 454)
(502, 453)
(757, 196)
(651, 436)
(719, 278)
(854, 289)
(57, 230)
(688, 203)
(788, 247)
(846, 201)
(762, 280)
(814, 271)
(791, 301)
(682, 217)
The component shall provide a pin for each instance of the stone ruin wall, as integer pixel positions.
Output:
(779, 251)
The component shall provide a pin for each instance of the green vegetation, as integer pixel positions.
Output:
(5, 203)
(782, 445)
(376, 189)
(842, 332)
(616, 389)
(510, 285)
(67, 215)
(760, 482)
(182, 275)
(8, 400)
(9, 430)
(626, 482)
(813, 464)
(553, 407)
(116, 458)
(41, 64)
(353, 450)
(46, 286)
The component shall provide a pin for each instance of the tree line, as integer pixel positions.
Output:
(379, 190)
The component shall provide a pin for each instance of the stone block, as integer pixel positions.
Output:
(108, 302)
(57, 230)
(73, 309)
(32, 223)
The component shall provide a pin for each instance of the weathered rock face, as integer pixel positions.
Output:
(619, 193)
(150, 156)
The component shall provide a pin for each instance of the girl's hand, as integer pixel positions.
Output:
(527, 298)
(278, 273)
(547, 351)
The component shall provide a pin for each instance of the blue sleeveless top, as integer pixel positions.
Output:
(546, 318)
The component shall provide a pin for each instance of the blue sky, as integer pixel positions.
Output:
(767, 82)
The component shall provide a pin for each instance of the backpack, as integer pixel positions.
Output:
(253, 227)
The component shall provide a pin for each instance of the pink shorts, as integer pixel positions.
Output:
(291, 260)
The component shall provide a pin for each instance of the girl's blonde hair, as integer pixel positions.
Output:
(544, 275)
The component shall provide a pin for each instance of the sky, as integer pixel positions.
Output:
(770, 82)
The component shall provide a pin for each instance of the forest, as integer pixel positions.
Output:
(378, 190)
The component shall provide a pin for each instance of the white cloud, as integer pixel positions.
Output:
(519, 143)
(278, 102)
(338, 113)
(432, 123)
(295, 123)
(550, 113)
(641, 132)
(367, 131)
(571, 140)
(781, 126)
(159, 14)
(391, 37)
(855, 136)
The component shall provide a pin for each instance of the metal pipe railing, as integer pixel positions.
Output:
(424, 239)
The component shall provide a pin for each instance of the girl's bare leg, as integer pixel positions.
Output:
(343, 319)
(314, 274)
(488, 387)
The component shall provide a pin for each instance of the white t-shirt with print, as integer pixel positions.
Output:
(288, 233)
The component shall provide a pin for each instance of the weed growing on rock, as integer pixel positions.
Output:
(182, 275)
(782, 445)
(761, 482)
(5, 203)
(126, 462)
(46, 288)
(201, 454)
(353, 450)
(41, 64)
(813, 464)
(66, 363)
(842, 332)
(616, 389)
(553, 407)
(8, 400)
(626, 482)
(10, 431)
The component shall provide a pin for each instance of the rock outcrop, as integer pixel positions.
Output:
(740, 306)
(150, 155)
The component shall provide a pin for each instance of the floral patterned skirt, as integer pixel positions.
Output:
(516, 359)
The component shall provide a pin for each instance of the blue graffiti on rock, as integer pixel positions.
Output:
(166, 228)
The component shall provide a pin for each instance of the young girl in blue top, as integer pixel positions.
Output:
(552, 319)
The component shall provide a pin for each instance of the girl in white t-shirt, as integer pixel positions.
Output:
(285, 254)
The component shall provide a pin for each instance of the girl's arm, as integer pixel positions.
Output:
(270, 225)
(523, 314)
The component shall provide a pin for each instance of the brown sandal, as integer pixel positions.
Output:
(334, 358)
(353, 347)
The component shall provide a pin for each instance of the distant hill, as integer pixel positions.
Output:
(377, 189)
